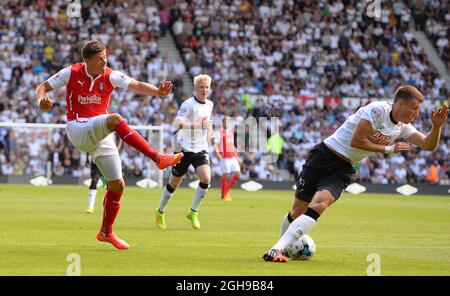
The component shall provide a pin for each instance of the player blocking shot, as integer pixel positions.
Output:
(89, 86)
(192, 138)
(376, 127)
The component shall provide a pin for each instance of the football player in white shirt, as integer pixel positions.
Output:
(329, 166)
(194, 126)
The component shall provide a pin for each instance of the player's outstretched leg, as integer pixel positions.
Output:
(167, 160)
(135, 140)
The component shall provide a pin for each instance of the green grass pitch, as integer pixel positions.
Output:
(41, 226)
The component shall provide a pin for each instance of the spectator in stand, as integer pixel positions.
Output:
(433, 173)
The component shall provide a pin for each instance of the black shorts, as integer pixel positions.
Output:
(196, 159)
(323, 169)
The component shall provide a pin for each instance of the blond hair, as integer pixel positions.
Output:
(408, 93)
(201, 77)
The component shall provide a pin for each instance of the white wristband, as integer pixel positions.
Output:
(389, 149)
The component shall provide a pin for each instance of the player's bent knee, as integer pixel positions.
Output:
(322, 201)
(116, 185)
(113, 119)
(320, 206)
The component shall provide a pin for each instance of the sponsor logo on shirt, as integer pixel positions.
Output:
(89, 100)
(378, 138)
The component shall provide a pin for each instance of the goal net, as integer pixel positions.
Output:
(43, 150)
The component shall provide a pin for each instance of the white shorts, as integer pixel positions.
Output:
(230, 165)
(91, 135)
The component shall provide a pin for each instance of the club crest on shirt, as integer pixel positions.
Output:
(375, 113)
(101, 86)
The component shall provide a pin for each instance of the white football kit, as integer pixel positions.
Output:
(385, 132)
(193, 140)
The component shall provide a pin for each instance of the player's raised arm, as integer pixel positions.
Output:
(431, 140)
(149, 89)
(361, 140)
(58, 80)
(44, 101)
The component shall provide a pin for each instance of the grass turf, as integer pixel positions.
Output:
(41, 226)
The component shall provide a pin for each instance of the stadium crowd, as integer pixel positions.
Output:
(261, 55)
(433, 17)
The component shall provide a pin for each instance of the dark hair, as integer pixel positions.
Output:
(91, 48)
(408, 93)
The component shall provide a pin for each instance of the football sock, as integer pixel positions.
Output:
(233, 181)
(135, 140)
(111, 204)
(287, 220)
(223, 186)
(91, 198)
(199, 195)
(298, 227)
(165, 197)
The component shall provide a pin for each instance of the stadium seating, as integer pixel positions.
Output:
(279, 49)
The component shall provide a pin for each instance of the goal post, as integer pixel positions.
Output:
(36, 149)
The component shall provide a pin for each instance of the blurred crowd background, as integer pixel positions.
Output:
(266, 59)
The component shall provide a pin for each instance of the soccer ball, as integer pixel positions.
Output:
(302, 249)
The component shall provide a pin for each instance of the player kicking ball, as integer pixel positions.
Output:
(195, 131)
(327, 171)
(89, 86)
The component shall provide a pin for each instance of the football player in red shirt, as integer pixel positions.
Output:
(90, 126)
(229, 160)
